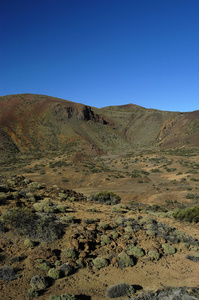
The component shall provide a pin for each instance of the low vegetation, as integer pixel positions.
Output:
(7, 273)
(119, 290)
(61, 234)
(190, 214)
(106, 197)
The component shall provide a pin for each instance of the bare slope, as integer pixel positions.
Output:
(149, 127)
(42, 124)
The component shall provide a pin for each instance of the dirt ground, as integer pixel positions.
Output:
(167, 187)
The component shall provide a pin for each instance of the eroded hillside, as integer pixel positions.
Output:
(42, 124)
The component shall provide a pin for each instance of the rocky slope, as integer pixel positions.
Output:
(35, 123)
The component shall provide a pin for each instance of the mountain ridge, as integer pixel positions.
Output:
(33, 123)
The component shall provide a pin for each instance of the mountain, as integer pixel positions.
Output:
(41, 124)
(89, 196)
(149, 127)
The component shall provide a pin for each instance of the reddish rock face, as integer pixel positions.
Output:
(38, 123)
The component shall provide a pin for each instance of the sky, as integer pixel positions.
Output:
(102, 52)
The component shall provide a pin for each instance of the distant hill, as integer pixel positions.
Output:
(42, 124)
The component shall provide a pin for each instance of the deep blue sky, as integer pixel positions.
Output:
(102, 52)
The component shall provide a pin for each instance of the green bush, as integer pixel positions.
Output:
(32, 293)
(105, 240)
(190, 214)
(126, 236)
(44, 206)
(153, 255)
(30, 196)
(118, 208)
(20, 219)
(67, 219)
(168, 249)
(34, 186)
(119, 220)
(192, 196)
(128, 229)
(48, 229)
(45, 228)
(114, 234)
(57, 262)
(54, 273)
(69, 253)
(92, 209)
(135, 251)
(44, 266)
(106, 197)
(38, 283)
(125, 260)
(100, 262)
(17, 194)
(3, 197)
(7, 273)
(194, 179)
(193, 258)
(103, 226)
(119, 290)
(155, 170)
(28, 243)
(63, 196)
(4, 188)
(61, 208)
(66, 269)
